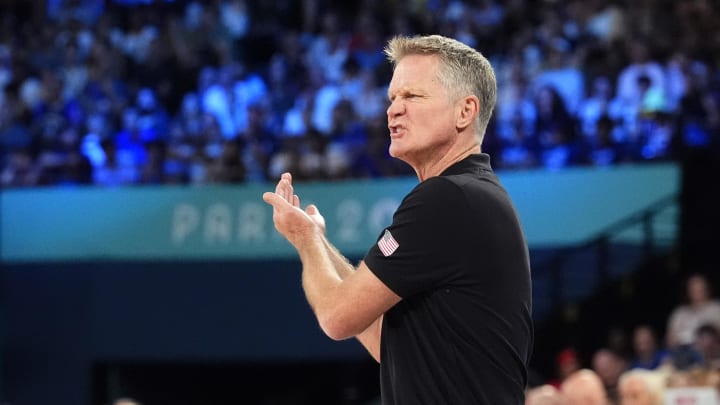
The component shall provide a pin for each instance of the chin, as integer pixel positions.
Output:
(393, 151)
(399, 155)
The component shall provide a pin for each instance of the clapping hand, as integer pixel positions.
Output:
(289, 218)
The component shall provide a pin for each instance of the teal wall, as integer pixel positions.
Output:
(232, 222)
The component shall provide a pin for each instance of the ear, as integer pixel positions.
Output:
(468, 110)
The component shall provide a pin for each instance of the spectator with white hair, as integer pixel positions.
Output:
(641, 387)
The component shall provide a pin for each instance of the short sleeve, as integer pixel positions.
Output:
(423, 247)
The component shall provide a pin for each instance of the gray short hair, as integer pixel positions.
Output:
(654, 381)
(463, 70)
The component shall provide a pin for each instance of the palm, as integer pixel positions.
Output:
(285, 190)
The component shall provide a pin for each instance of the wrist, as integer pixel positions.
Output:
(307, 238)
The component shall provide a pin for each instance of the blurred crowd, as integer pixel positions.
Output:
(226, 91)
(643, 367)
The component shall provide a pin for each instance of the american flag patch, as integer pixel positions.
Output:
(387, 244)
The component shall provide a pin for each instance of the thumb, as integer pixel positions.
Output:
(312, 210)
(272, 198)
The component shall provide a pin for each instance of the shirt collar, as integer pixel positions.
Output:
(478, 161)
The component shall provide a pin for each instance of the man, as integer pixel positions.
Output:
(609, 366)
(707, 345)
(443, 299)
(648, 355)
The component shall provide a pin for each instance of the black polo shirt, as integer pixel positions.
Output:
(457, 256)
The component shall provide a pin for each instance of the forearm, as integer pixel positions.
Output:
(320, 277)
(340, 264)
(324, 268)
(370, 338)
(324, 289)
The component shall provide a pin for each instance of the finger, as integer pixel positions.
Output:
(289, 192)
(279, 187)
(312, 209)
(287, 178)
(269, 197)
(296, 200)
(284, 189)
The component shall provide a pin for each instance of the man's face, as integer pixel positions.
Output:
(697, 289)
(421, 115)
(644, 341)
(707, 344)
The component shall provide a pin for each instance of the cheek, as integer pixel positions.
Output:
(437, 128)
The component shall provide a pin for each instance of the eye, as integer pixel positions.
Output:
(404, 96)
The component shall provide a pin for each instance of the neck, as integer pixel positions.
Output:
(435, 167)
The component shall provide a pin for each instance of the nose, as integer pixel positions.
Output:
(395, 108)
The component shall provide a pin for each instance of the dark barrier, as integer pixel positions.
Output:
(61, 319)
